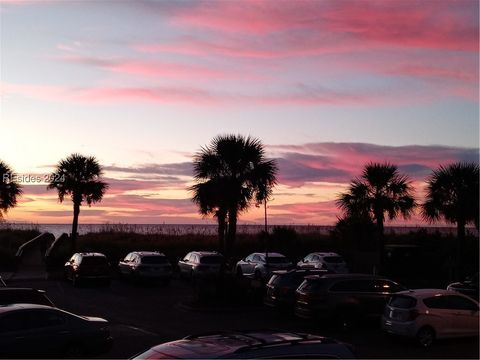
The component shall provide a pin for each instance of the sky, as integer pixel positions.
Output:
(328, 86)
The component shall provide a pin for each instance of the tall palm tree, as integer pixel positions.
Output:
(380, 191)
(10, 189)
(232, 173)
(453, 194)
(78, 176)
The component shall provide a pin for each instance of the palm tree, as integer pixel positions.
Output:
(453, 194)
(232, 173)
(10, 189)
(381, 190)
(78, 176)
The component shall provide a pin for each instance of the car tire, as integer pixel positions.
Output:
(73, 351)
(425, 336)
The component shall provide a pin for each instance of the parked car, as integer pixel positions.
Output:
(468, 287)
(200, 264)
(429, 314)
(330, 261)
(24, 295)
(261, 265)
(344, 297)
(146, 265)
(87, 266)
(282, 286)
(251, 345)
(33, 331)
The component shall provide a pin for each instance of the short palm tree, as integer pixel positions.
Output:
(380, 191)
(231, 174)
(78, 176)
(453, 194)
(10, 189)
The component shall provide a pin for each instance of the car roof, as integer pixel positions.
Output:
(425, 293)
(148, 253)
(87, 254)
(224, 343)
(324, 254)
(11, 307)
(204, 253)
(343, 277)
(270, 254)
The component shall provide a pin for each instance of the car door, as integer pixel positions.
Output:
(246, 265)
(47, 333)
(440, 315)
(464, 315)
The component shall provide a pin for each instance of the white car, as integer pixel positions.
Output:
(330, 261)
(429, 314)
(256, 265)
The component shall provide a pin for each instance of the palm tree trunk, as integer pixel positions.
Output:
(76, 213)
(380, 243)
(459, 249)
(221, 218)
(232, 230)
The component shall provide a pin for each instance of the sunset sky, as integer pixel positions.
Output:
(326, 85)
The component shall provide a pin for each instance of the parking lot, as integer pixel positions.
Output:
(141, 316)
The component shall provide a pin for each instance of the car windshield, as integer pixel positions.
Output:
(154, 260)
(277, 260)
(94, 261)
(211, 259)
(402, 302)
(333, 259)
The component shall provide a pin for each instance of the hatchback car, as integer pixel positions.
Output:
(429, 314)
(146, 265)
(344, 297)
(468, 287)
(87, 266)
(201, 264)
(251, 345)
(282, 286)
(261, 265)
(34, 331)
(24, 295)
(329, 261)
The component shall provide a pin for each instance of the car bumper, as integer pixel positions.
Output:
(402, 328)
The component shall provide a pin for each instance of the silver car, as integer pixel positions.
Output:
(330, 261)
(140, 265)
(429, 314)
(199, 264)
(261, 265)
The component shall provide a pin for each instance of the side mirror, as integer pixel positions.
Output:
(303, 260)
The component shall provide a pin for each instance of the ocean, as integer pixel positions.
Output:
(206, 229)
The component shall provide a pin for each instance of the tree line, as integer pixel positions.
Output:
(232, 173)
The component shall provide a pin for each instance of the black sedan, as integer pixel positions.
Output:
(39, 331)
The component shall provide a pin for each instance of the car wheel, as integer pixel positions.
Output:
(73, 351)
(426, 336)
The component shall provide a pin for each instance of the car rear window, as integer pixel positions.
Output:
(277, 260)
(94, 261)
(333, 259)
(403, 302)
(211, 260)
(154, 260)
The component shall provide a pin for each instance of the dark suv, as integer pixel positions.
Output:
(280, 290)
(344, 296)
(87, 266)
(251, 345)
